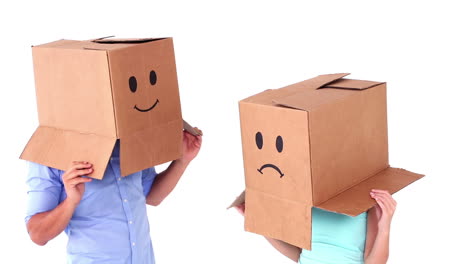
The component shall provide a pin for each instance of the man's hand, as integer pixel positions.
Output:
(190, 147)
(385, 209)
(166, 181)
(44, 226)
(74, 182)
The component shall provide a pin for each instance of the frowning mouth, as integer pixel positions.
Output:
(271, 166)
(148, 109)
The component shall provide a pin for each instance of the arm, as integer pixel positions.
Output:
(378, 228)
(44, 226)
(288, 250)
(166, 181)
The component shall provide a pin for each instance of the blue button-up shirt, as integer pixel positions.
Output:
(110, 225)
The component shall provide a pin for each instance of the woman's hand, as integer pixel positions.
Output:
(385, 209)
(240, 208)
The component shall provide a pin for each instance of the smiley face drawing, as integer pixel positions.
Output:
(133, 85)
(145, 88)
(279, 148)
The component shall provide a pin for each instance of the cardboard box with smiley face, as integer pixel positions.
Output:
(321, 142)
(92, 93)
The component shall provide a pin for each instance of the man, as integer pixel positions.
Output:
(105, 220)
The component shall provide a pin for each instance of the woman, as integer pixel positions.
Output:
(338, 238)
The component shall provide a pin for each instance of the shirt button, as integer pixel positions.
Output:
(130, 222)
(119, 179)
(133, 244)
(125, 200)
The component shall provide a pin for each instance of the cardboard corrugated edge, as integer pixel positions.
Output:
(192, 130)
(353, 84)
(47, 147)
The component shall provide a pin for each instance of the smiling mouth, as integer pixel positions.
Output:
(148, 109)
(273, 167)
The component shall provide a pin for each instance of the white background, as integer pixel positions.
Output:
(226, 52)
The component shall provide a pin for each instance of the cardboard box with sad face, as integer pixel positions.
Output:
(91, 93)
(321, 142)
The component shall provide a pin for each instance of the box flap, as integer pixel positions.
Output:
(309, 100)
(124, 40)
(357, 200)
(268, 97)
(72, 85)
(311, 93)
(116, 43)
(278, 218)
(192, 130)
(238, 201)
(351, 84)
(309, 85)
(58, 148)
(150, 147)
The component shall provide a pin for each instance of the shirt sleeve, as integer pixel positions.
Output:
(44, 189)
(147, 179)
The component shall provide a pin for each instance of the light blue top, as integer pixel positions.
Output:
(336, 238)
(110, 225)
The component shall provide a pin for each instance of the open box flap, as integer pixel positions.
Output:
(357, 200)
(58, 148)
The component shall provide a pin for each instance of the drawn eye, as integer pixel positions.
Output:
(279, 143)
(153, 78)
(259, 140)
(132, 83)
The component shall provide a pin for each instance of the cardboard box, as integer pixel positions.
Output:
(91, 93)
(321, 142)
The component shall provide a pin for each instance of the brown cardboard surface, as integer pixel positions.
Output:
(348, 141)
(356, 199)
(334, 150)
(287, 173)
(278, 218)
(91, 93)
(150, 146)
(58, 148)
(152, 107)
(72, 85)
